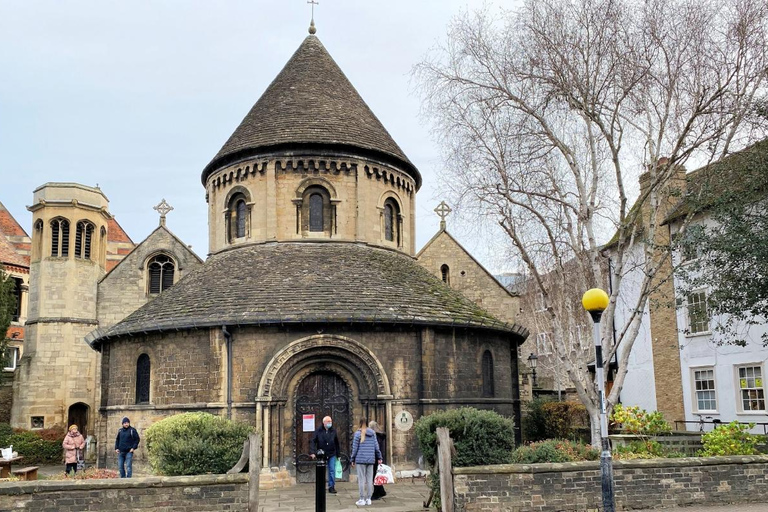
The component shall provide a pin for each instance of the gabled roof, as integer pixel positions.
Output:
(8, 224)
(444, 231)
(9, 256)
(116, 233)
(740, 176)
(308, 283)
(311, 104)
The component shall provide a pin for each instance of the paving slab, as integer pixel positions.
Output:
(403, 496)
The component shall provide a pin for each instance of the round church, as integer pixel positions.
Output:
(312, 301)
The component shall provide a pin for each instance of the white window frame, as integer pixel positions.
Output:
(695, 392)
(759, 386)
(15, 359)
(688, 305)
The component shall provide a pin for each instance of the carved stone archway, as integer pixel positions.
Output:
(349, 358)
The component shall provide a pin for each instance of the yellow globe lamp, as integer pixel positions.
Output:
(595, 300)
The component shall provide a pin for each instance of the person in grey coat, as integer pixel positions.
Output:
(365, 453)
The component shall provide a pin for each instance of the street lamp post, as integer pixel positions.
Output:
(595, 301)
(532, 363)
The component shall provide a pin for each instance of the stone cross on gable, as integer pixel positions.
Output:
(163, 209)
(312, 28)
(442, 211)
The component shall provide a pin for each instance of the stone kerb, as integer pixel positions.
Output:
(642, 483)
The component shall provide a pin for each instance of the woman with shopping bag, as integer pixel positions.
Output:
(381, 437)
(365, 453)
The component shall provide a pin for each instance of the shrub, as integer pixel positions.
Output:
(647, 449)
(34, 447)
(535, 420)
(554, 450)
(639, 421)
(480, 438)
(548, 419)
(730, 439)
(195, 443)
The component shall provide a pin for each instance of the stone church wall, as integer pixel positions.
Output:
(468, 276)
(427, 370)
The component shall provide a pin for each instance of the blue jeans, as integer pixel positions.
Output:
(125, 464)
(332, 471)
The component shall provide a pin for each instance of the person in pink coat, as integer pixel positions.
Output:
(73, 441)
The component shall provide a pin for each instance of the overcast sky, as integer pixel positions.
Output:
(138, 96)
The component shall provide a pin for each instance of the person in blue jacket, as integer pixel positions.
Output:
(126, 442)
(365, 453)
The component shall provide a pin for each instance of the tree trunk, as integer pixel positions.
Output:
(594, 426)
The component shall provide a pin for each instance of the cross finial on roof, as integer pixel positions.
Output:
(442, 211)
(312, 29)
(163, 208)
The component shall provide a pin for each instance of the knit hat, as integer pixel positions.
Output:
(125, 420)
(72, 427)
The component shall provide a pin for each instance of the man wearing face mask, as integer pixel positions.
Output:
(325, 439)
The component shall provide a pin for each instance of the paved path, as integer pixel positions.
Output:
(403, 496)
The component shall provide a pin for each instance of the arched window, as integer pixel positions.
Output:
(445, 274)
(38, 238)
(59, 237)
(142, 379)
(160, 269)
(316, 212)
(83, 239)
(392, 221)
(237, 217)
(488, 391)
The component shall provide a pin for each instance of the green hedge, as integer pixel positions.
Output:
(195, 443)
(480, 438)
(549, 419)
(36, 446)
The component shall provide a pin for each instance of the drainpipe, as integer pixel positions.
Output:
(228, 337)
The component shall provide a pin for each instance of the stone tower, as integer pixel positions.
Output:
(56, 378)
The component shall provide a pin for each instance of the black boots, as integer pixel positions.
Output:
(331, 490)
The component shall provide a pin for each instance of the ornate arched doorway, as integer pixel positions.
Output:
(320, 394)
(320, 375)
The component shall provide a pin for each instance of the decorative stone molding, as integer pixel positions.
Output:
(314, 165)
(393, 177)
(339, 348)
(238, 174)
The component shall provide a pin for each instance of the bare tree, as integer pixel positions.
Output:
(548, 114)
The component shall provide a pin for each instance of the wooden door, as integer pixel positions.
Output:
(322, 394)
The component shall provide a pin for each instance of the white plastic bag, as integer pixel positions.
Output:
(7, 453)
(384, 475)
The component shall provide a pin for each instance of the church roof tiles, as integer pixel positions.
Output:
(311, 103)
(295, 283)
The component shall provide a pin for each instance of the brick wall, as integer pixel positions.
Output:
(182, 493)
(640, 484)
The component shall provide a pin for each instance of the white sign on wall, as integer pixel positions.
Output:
(403, 421)
(308, 423)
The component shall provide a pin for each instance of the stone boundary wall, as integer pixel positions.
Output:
(206, 493)
(640, 484)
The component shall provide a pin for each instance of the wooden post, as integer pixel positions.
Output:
(254, 469)
(444, 451)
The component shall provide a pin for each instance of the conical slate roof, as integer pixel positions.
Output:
(302, 283)
(311, 104)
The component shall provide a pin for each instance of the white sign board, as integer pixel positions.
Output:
(308, 422)
(403, 421)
